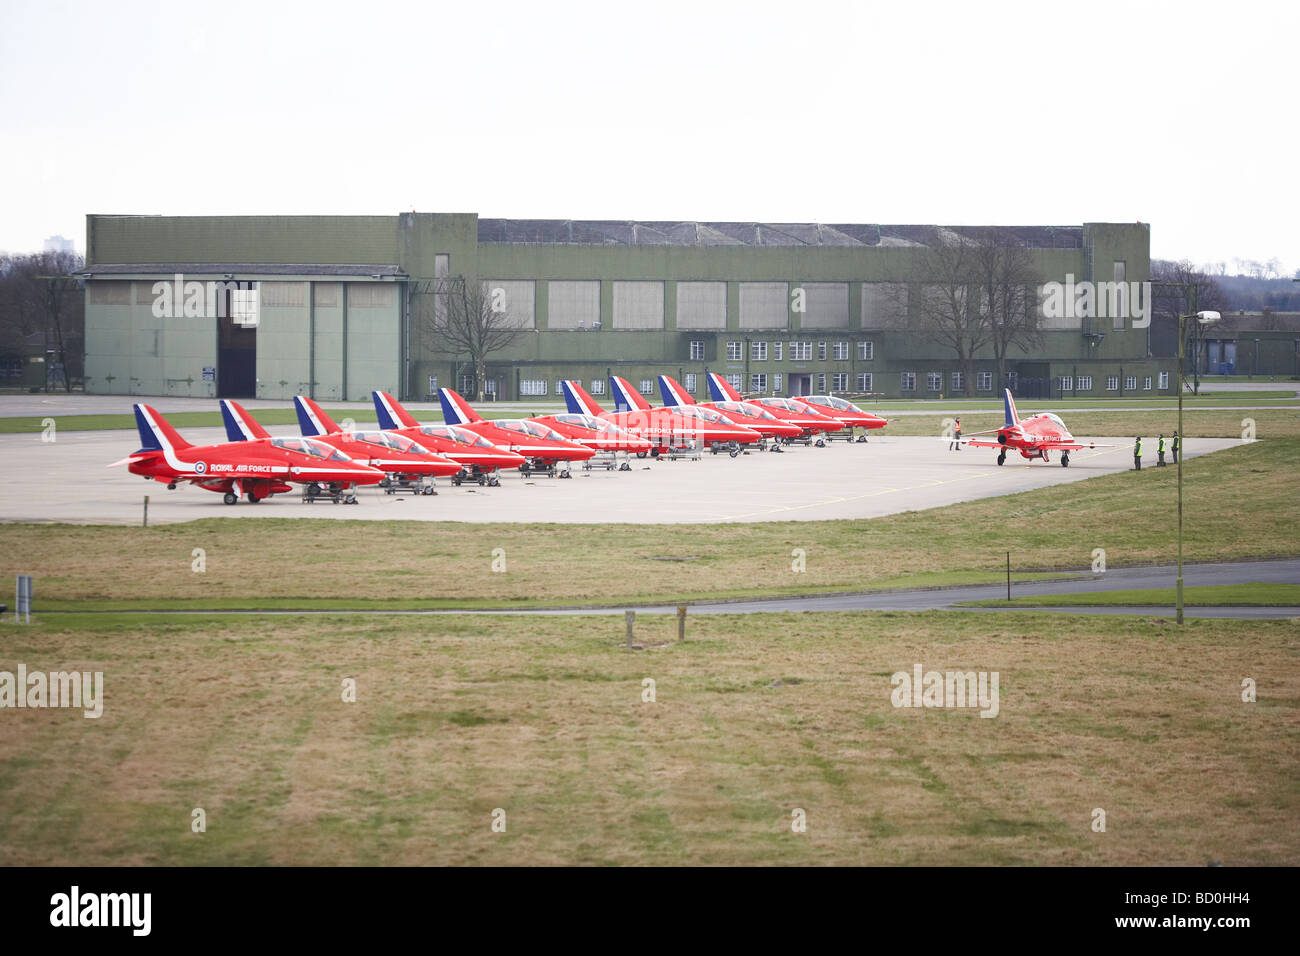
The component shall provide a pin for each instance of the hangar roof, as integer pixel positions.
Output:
(242, 268)
(610, 232)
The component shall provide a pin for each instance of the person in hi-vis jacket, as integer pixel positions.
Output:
(1137, 454)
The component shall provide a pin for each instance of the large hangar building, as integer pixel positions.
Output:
(342, 305)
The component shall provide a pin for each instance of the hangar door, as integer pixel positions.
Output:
(236, 350)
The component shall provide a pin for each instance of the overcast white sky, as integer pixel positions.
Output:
(1183, 115)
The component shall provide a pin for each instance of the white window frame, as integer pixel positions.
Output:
(758, 351)
(646, 386)
(1084, 384)
(1112, 383)
(1146, 384)
(1164, 381)
(864, 382)
(697, 350)
(866, 351)
(821, 351)
(735, 351)
(692, 381)
(597, 386)
(758, 382)
(839, 381)
(983, 381)
(841, 351)
(778, 351)
(934, 381)
(958, 382)
(533, 387)
(907, 382)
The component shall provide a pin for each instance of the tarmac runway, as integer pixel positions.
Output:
(67, 481)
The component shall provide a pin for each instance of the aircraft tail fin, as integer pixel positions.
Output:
(240, 426)
(391, 413)
(156, 433)
(626, 398)
(455, 410)
(720, 390)
(1010, 406)
(312, 420)
(673, 393)
(578, 401)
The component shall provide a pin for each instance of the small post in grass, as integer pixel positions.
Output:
(1008, 575)
(146, 512)
(681, 622)
(631, 616)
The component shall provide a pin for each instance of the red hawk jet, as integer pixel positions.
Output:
(812, 424)
(596, 433)
(1033, 437)
(404, 462)
(842, 411)
(541, 445)
(256, 469)
(664, 428)
(480, 458)
(744, 414)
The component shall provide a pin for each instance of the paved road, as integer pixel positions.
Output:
(1286, 571)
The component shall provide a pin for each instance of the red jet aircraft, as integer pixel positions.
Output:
(664, 428)
(256, 469)
(813, 424)
(403, 461)
(744, 414)
(842, 411)
(541, 445)
(596, 433)
(479, 456)
(1033, 437)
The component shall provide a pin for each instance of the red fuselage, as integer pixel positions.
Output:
(465, 447)
(594, 432)
(842, 411)
(537, 443)
(392, 453)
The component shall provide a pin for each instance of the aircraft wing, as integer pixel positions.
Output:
(977, 442)
(1069, 445)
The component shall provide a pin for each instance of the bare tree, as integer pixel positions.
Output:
(1179, 288)
(947, 301)
(41, 294)
(1008, 284)
(471, 320)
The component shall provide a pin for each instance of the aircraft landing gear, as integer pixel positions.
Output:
(252, 498)
(172, 486)
(493, 482)
(819, 443)
(1002, 457)
(230, 497)
(1065, 459)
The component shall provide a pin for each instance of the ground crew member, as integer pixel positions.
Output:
(1177, 447)
(956, 437)
(1137, 454)
(1160, 453)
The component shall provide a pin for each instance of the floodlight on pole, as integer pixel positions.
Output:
(1203, 319)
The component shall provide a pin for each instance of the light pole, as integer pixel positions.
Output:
(1202, 319)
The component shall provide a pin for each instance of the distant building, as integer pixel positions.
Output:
(59, 244)
(784, 308)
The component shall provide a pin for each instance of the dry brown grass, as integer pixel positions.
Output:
(755, 716)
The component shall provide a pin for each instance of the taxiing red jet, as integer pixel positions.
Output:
(813, 424)
(1033, 437)
(744, 414)
(541, 445)
(664, 428)
(256, 469)
(480, 458)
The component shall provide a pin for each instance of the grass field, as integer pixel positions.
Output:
(1259, 594)
(1241, 503)
(755, 717)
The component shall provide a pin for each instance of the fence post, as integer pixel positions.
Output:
(681, 622)
(146, 512)
(1008, 575)
(631, 616)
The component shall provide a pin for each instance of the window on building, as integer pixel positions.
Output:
(800, 351)
(597, 386)
(821, 383)
(1130, 382)
(821, 351)
(433, 385)
(984, 381)
(840, 382)
(1164, 380)
(958, 381)
(777, 349)
(1146, 383)
(866, 351)
(697, 350)
(490, 388)
(758, 351)
(908, 383)
(758, 382)
(1084, 384)
(559, 386)
(691, 380)
(532, 386)
(1067, 383)
(841, 352)
(864, 382)
(734, 353)
(646, 386)
(776, 382)
(934, 381)
(466, 383)
(734, 380)
(1112, 383)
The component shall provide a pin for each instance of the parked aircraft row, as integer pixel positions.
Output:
(331, 462)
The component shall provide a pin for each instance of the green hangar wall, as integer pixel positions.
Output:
(343, 305)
